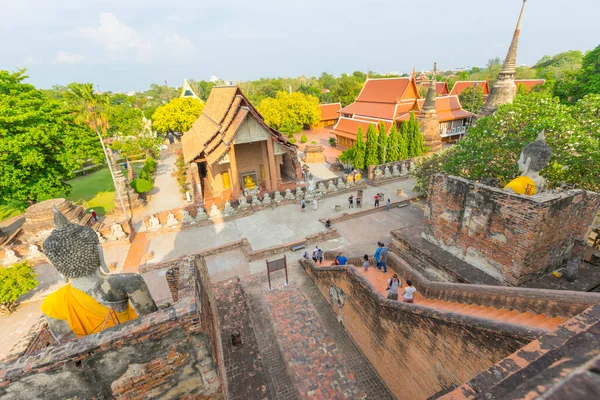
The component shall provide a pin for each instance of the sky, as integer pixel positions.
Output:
(123, 45)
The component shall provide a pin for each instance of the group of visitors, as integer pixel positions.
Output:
(315, 204)
(394, 285)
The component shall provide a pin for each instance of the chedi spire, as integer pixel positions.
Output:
(428, 119)
(504, 90)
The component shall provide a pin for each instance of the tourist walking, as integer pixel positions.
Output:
(393, 285)
(376, 198)
(302, 205)
(94, 215)
(383, 256)
(409, 292)
(351, 201)
(366, 262)
(387, 205)
(358, 205)
(341, 259)
(315, 204)
(377, 255)
(320, 255)
(315, 254)
(305, 255)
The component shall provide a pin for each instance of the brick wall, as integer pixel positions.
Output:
(417, 351)
(511, 237)
(166, 354)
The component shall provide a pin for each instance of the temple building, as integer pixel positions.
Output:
(441, 88)
(330, 113)
(187, 91)
(230, 150)
(529, 84)
(505, 90)
(460, 86)
(391, 100)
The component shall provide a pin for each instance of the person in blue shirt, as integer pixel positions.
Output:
(377, 255)
(341, 259)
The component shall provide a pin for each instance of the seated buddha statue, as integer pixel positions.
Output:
(92, 300)
(534, 158)
(249, 182)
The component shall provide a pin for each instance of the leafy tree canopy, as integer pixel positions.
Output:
(471, 99)
(290, 113)
(40, 142)
(15, 281)
(178, 115)
(492, 147)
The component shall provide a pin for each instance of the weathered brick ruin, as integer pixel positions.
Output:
(174, 353)
(508, 236)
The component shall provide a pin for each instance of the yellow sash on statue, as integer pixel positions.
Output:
(522, 185)
(83, 313)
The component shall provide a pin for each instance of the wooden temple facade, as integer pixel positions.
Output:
(231, 152)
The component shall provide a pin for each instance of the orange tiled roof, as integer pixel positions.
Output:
(459, 86)
(529, 83)
(330, 111)
(348, 127)
(441, 88)
(448, 108)
(386, 90)
(369, 109)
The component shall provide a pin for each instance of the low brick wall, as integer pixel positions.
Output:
(563, 364)
(416, 350)
(168, 354)
(511, 237)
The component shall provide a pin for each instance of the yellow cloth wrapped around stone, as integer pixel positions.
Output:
(522, 185)
(83, 313)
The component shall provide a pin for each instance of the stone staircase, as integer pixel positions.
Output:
(527, 318)
(505, 314)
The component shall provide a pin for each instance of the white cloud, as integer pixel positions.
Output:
(30, 60)
(178, 47)
(65, 57)
(121, 42)
(118, 39)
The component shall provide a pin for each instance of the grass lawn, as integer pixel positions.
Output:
(94, 190)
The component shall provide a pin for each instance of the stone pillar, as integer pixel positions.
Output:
(233, 170)
(430, 127)
(272, 164)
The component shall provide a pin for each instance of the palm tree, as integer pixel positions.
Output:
(89, 108)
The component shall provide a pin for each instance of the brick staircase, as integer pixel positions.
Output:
(527, 318)
(511, 316)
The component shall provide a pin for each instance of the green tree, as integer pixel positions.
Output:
(416, 140)
(382, 144)
(347, 89)
(472, 99)
(178, 115)
(40, 142)
(403, 142)
(15, 281)
(588, 78)
(492, 147)
(360, 149)
(393, 151)
(290, 112)
(371, 157)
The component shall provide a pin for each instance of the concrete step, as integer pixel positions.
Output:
(510, 314)
(521, 318)
(538, 320)
(551, 323)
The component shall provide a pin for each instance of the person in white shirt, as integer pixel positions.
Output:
(409, 292)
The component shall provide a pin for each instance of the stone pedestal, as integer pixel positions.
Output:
(39, 219)
(510, 237)
(314, 154)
